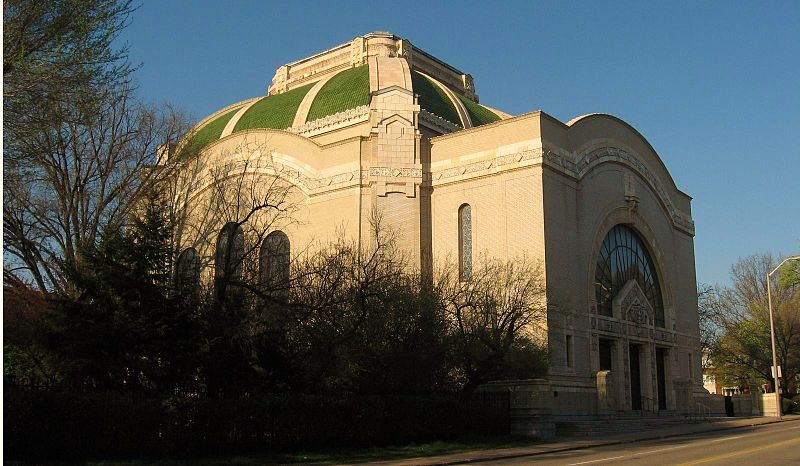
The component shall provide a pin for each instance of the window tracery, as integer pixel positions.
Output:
(623, 256)
(228, 256)
(274, 260)
(187, 272)
(465, 242)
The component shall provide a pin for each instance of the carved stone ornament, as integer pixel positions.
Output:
(632, 305)
(631, 198)
(637, 313)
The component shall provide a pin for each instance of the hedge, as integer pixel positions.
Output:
(48, 425)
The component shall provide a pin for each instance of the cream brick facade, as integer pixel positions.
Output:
(538, 188)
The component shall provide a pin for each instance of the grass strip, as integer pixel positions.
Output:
(342, 455)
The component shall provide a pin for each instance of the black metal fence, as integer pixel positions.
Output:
(496, 406)
(65, 425)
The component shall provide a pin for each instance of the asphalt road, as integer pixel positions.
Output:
(771, 444)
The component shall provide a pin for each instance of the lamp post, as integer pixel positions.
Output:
(772, 335)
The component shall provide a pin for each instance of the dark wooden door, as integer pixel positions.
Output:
(661, 378)
(605, 355)
(636, 381)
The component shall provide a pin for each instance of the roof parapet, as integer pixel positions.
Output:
(357, 51)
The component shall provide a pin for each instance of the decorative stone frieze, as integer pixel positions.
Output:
(331, 122)
(387, 172)
(609, 325)
(565, 164)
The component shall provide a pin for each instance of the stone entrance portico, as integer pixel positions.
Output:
(638, 350)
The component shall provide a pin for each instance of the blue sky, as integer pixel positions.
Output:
(714, 86)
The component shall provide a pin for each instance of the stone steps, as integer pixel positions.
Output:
(625, 423)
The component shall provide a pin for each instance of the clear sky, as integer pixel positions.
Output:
(713, 85)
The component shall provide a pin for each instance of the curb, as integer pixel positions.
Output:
(599, 443)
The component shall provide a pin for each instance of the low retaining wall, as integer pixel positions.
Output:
(756, 404)
(529, 405)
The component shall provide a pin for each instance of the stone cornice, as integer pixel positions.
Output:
(275, 164)
(438, 123)
(587, 162)
(568, 164)
(392, 173)
(332, 122)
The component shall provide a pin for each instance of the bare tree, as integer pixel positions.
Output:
(77, 178)
(364, 320)
(709, 313)
(497, 319)
(224, 205)
(75, 141)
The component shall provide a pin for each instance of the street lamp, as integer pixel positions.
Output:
(772, 334)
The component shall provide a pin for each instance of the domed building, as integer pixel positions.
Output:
(378, 125)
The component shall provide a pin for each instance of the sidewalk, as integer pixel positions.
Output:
(577, 443)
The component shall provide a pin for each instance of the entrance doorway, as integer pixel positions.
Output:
(605, 355)
(661, 378)
(636, 381)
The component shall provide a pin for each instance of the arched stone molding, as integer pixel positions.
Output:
(385, 72)
(626, 133)
(225, 110)
(305, 104)
(575, 167)
(282, 141)
(610, 154)
(228, 129)
(282, 166)
(461, 109)
(284, 155)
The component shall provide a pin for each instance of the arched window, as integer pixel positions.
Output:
(624, 256)
(465, 242)
(274, 260)
(187, 272)
(229, 256)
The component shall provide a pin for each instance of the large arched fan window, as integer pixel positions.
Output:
(624, 256)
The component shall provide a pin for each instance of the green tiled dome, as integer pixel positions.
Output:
(433, 99)
(479, 114)
(347, 89)
(208, 133)
(274, 111)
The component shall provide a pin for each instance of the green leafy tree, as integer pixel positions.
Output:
(58, 55)
(743, 350)
(25, 361)
(125, 328)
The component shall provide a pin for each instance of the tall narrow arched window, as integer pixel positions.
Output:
(187, 272)
(274, 260)
(465, 242)
(623, 257)
(228, 257)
